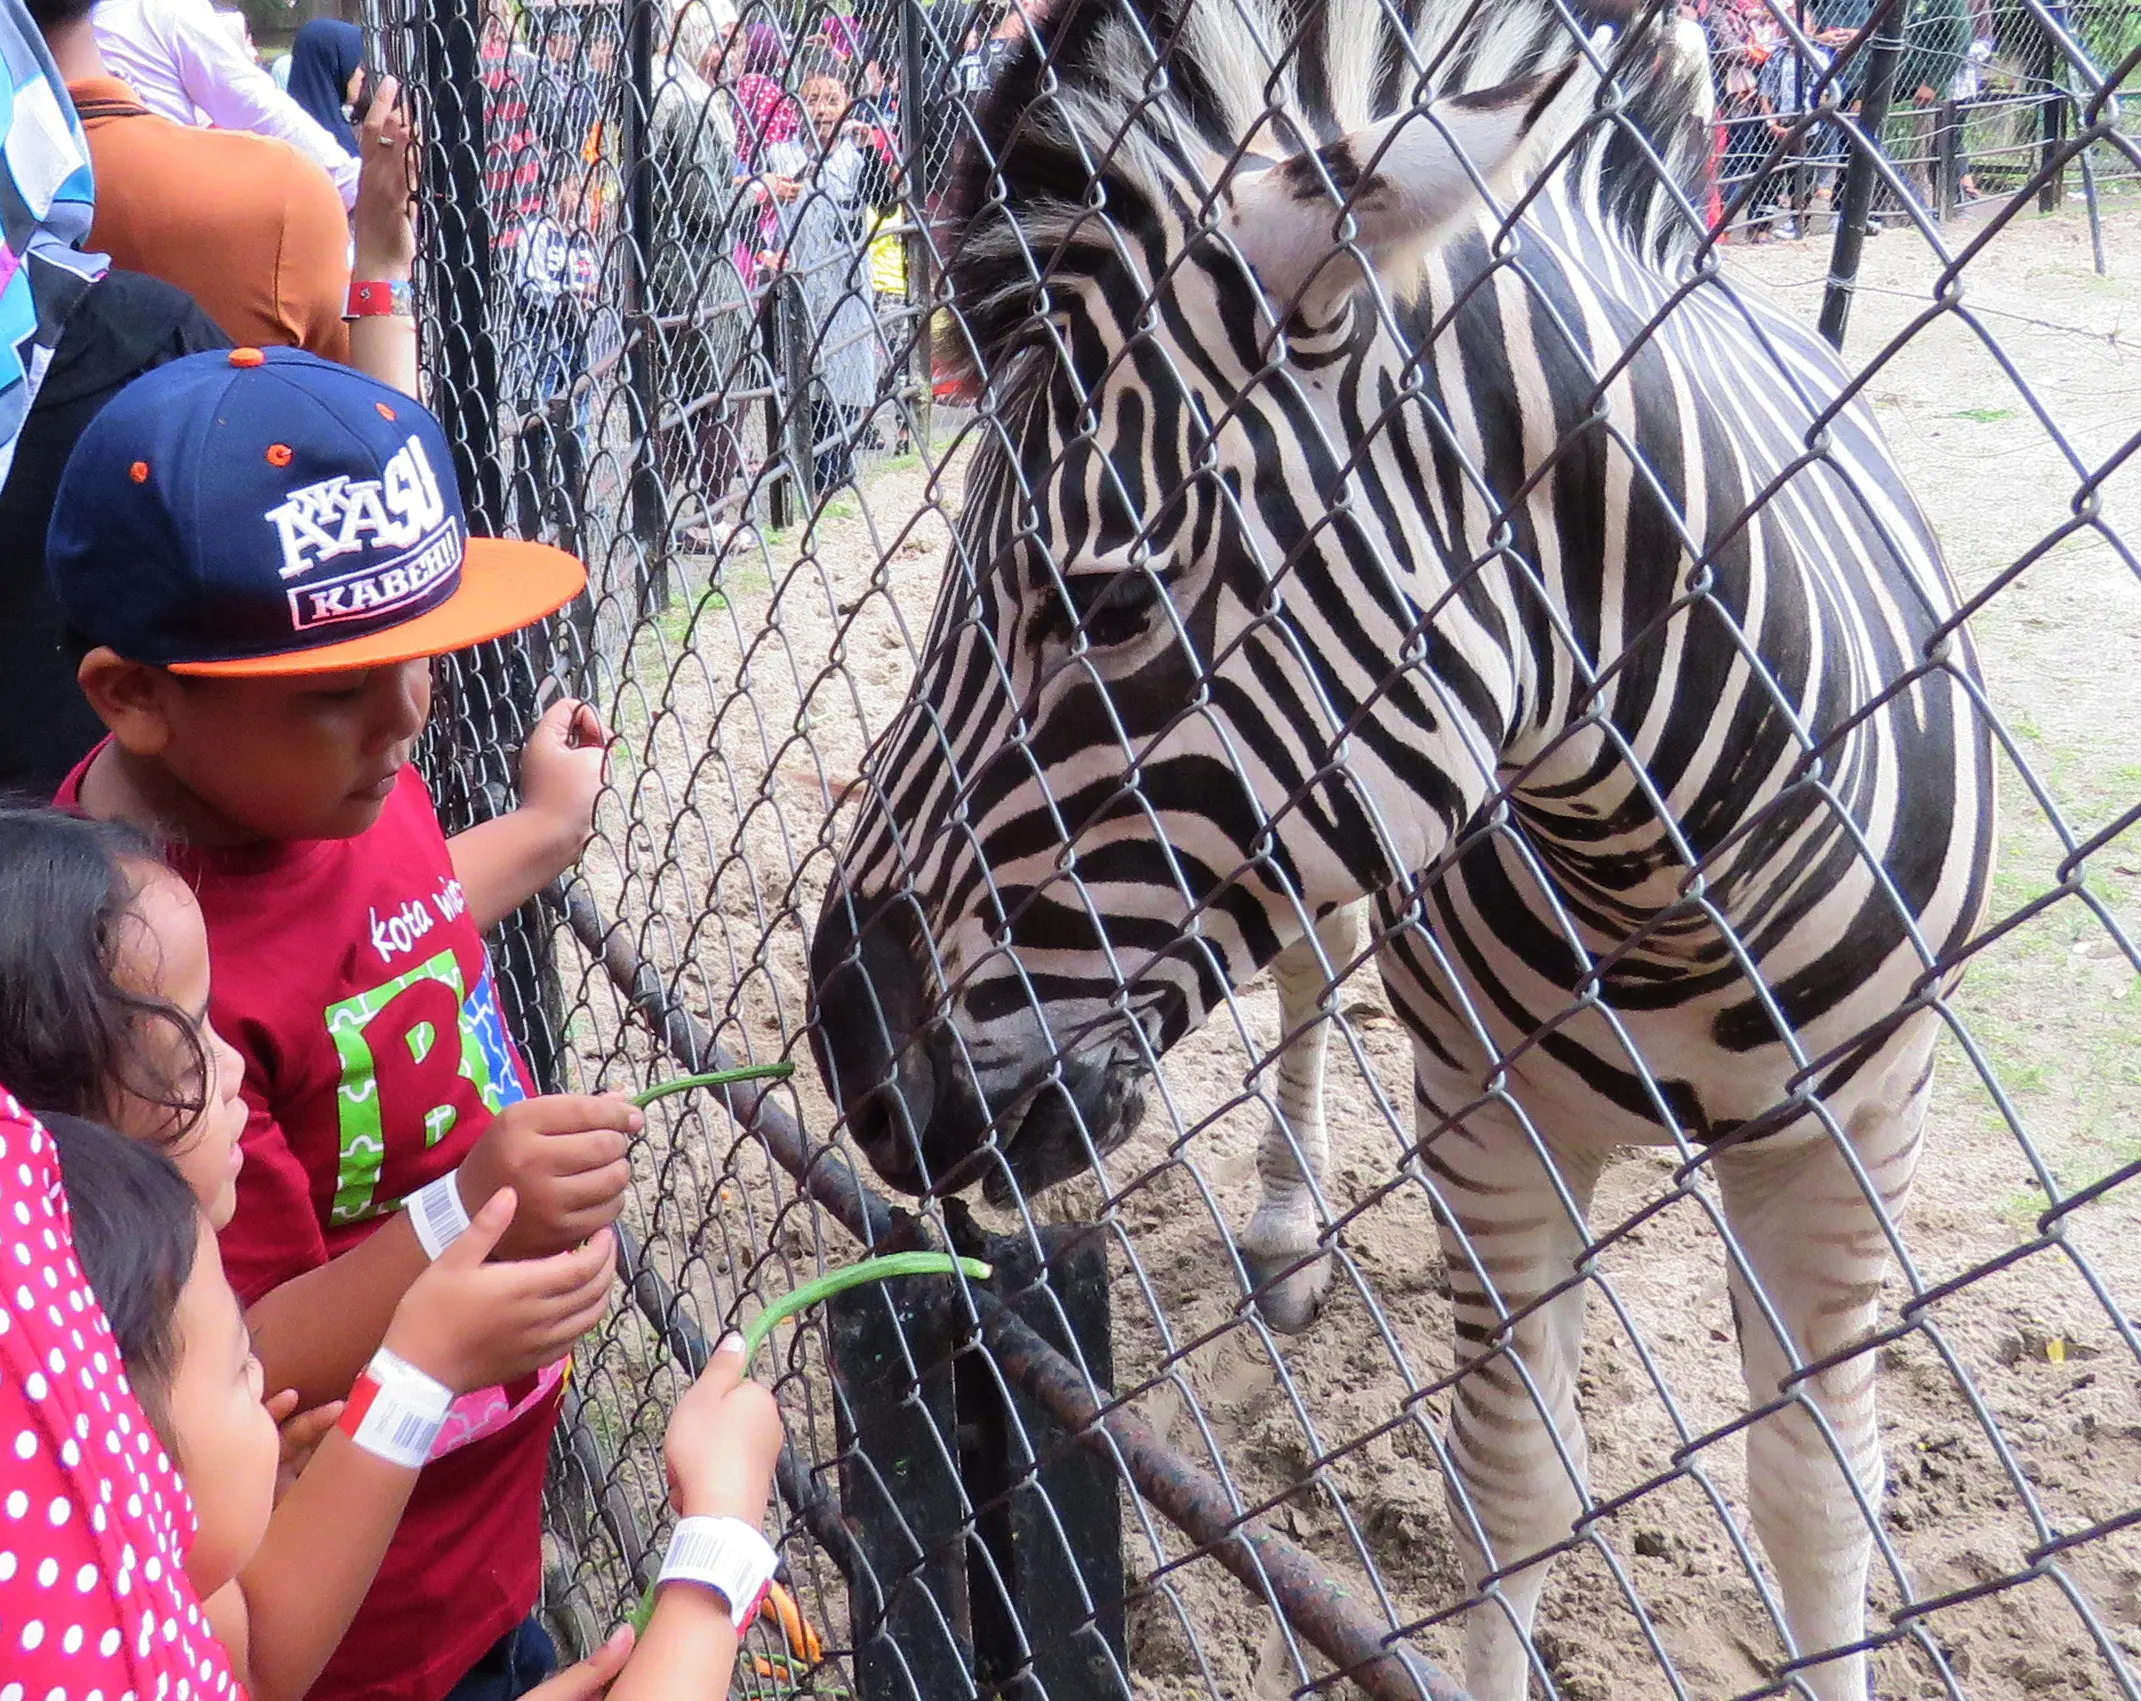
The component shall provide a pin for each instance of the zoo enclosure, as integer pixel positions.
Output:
(1268, 1530)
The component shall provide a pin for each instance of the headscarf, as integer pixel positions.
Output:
(324, 57)
(94, 1520)
(766, 113)
(45, 201)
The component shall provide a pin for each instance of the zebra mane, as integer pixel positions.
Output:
(1107, 102)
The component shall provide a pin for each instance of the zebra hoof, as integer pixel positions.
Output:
(1289, 1295)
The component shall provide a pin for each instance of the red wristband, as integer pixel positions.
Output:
(378, 299)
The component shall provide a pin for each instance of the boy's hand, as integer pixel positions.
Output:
(300, 1434)
(564, 1156)
(724, 1438)
(561, 773)
(473, 1324)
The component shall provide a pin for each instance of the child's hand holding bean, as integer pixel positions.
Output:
(473, 1323)
(564, 1156)
(723, 1442)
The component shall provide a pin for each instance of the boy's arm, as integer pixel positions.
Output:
(503, 862)
(384, 252)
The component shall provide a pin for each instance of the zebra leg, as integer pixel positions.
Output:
(1812, 1241)
(1280, 1247)
(1516, 1444)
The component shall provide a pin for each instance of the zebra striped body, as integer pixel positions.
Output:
(1500, 566)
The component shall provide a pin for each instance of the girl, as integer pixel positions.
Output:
(152, 1264)
(841, 171)
(103, 998)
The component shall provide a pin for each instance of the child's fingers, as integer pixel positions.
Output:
(592, 1675)
(280, 1406)
(725, 1369)
(485, 1229)
(591, 1190)
(555, 1278)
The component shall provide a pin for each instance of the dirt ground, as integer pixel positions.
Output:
(2012, 1415)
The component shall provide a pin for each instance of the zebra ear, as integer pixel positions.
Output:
(1402, 180)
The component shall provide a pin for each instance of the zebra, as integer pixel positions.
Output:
(1390, 499)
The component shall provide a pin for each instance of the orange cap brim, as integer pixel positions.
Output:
(505, 585)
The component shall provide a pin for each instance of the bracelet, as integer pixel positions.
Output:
(437, 1214)
(395, 1411)
(381, 299)
(727, 1556)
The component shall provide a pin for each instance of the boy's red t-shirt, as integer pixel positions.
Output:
(361, 996)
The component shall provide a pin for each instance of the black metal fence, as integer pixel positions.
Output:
(683, 273)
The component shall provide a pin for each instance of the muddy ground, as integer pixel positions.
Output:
(2012, 1419)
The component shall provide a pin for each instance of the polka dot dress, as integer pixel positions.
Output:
(94, 1605)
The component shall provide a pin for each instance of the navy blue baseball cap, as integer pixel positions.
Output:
(263, 512)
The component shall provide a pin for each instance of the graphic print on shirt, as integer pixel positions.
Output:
(417, 1051)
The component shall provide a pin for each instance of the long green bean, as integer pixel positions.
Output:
(720, 1078)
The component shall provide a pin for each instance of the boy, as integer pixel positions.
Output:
(259, 553)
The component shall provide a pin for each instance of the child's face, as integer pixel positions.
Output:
(165, 957)
(227, 1448)
(825, 99)
(311, 757)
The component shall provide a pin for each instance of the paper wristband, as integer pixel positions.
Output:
(727, 1556)
(378, 299)
(395, 1411)
(437, 1214)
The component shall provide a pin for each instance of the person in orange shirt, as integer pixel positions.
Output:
(252, 229)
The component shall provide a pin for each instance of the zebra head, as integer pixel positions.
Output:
(1173, 703)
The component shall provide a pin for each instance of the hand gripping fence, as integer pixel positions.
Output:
(1335, 677)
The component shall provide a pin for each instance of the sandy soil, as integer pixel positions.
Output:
(2011, 1415)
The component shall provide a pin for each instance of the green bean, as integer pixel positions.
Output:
(720, 1078)
(884, 1269)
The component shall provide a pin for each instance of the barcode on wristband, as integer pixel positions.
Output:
(437, 1214)
(377, 1420)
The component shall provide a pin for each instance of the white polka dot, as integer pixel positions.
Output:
(70, 1454)
(85, 1579)
(154, 1569)
(13, 1692)
(17, 1504)
(108, 1643)
(97, 1519)
(7, 1567)
(72, 1642)
(47, 1572)
(33, 1635)
(60, 1510)
(25, 1442)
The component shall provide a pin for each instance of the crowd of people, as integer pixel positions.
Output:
(1781, 89)
(297, 1254)
(777, 248)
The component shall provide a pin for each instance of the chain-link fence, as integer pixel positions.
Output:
(1026, 638)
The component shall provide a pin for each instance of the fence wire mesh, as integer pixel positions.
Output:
(993, 586)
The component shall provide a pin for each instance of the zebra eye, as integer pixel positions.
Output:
(1112, 603)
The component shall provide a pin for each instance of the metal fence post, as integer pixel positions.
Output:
(642, 385)
(2051, 128)
(1860, 171)
(921, 196)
